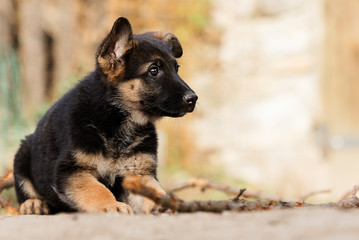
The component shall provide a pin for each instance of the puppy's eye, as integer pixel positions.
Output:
(177, 67)
(153, 71)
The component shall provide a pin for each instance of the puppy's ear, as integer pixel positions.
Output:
(170, 40)
(118, 43)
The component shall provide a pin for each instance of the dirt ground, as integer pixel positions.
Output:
(275, 224)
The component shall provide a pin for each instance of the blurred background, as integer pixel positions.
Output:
(278, 84)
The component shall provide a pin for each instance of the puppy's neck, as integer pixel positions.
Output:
(139, 118)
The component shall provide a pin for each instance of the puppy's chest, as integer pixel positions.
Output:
(138, 164)
(120, 147)
(110, 168)
(126, 153)
(127, 141)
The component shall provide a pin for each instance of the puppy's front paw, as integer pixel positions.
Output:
(34, 206)
(119, 207)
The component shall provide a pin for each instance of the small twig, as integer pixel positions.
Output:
(351, 201)
(7, 181)
(350, 193)
(204, 184)
(241, 191)
(6, 205)
(354, 191)
(346, 195)
(311, 194)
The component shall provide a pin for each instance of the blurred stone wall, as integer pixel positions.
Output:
(260, 102)
(340, 91)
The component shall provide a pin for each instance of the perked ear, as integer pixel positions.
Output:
(170, 40)
(119, 42)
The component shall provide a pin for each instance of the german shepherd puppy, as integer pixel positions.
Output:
(103, 129)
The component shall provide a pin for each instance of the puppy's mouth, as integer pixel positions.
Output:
(172, 113)
(191, 107)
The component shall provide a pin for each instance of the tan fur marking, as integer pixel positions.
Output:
(34, 206)
(139, 204)
(139, 118)
(144, 68)
(90, 195)
(139, 164)
(105, 65)
(147, 206)
(29, 189)
(136, 203)
(130, 91)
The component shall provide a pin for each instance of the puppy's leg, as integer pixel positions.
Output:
(89, 195)
(34, 206)
(27, 196)
(142, 204)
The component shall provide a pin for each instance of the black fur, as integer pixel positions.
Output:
(96, 118)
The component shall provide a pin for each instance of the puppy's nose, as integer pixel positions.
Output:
(190, 98)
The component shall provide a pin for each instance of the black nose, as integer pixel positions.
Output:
(190, 98)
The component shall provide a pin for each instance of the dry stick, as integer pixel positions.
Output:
(204, 184)
(241, 191)
(350, 193)
(5, 204)
(6, 182)
(138, 185)
(346, 195)
(311, 194)
(350, 202)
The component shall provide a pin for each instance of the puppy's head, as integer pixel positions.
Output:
(144, 70)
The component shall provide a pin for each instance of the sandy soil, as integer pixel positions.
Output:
(274, 224)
